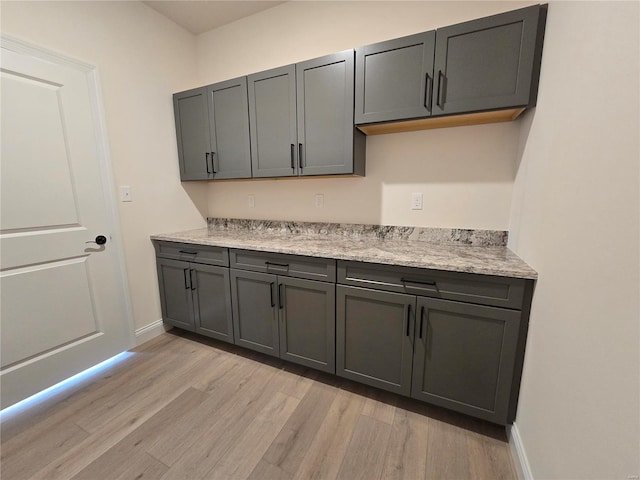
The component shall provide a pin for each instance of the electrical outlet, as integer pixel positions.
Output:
(319, 200)
(416, 201)
(251, 200)
(125, 194)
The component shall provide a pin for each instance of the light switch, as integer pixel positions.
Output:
(125, 194)
(416, 201)
(319, 200)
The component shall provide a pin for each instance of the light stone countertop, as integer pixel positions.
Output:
(488, 260)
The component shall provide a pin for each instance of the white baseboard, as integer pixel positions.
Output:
(147, 332)
(520, 459)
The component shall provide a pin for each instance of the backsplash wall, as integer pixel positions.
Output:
(465, 174)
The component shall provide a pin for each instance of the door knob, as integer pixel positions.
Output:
(100, 240)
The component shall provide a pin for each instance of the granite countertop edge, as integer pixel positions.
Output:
(494, 260)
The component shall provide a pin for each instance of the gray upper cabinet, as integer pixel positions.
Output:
(212, 130)
(394, 79)
(192, 134)
(328, 144)
(490, 63)
(301, 119)
(272, 118)
(229, 126)
(464, 357)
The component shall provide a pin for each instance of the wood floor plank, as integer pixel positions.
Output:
(233, 394)
(291, 445)
(326, 452)
(210, 444)
(406, 455)
(364, 458)
(184, 407)
(131, 450)
(239, 461)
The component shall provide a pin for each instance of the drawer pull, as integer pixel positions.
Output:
(406, 280)
(273, 264)
(187, 252)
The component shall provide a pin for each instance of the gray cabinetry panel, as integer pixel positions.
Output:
(175, 293)
(473, 288)
(464, 357)
(394, 79)
(229, 127)
(255, 317)
(192, 133)
(212, 301)
(325, 114)
(374, 337)
(291, 265)
(489, 63)
(272, 119)
(307, 322)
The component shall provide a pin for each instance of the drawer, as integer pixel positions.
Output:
(190, 252)
(281, 264)
(464, 287)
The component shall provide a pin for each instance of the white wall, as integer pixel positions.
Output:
(466, 174)
(576, 221)
(142, 59)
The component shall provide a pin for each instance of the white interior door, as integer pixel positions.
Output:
(63, 303)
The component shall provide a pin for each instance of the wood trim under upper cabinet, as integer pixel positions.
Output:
(442, 122)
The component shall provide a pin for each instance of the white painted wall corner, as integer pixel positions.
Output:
(520, 461)
(146, 333)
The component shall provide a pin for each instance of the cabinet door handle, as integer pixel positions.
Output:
(206, 162)
(408, 318)
(428, 93)
(421, 320)
(186, 279)
(280, 296)
(440, 96)
(300, 156)
(271, 285)
(213, 165)
(193, 278)
(293, 153)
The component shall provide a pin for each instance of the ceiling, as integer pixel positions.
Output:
(202, 16)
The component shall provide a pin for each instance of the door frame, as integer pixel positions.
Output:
(104, 164)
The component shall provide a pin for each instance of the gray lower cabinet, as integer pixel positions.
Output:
(212, 130)
(486, 64)
(458, 355)
(301, 119)
(285, 317)
(374, 337)
(196, 297)
(464, 357)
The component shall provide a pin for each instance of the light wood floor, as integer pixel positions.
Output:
(187, 407)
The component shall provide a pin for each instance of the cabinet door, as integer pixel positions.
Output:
(255, 316)
(464, 357)
(394, 79)
(488, 63)
(175, 293)
(229, 127)
(307, 322)
(212, 301)
(325, 114)
(272, 120)
(192, 134)
(374, 337)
